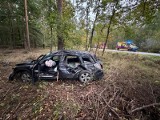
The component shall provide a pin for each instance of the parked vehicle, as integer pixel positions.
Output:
(130, 46)
(63, 64)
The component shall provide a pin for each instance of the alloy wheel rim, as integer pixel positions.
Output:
(26, 77)
(85, 77)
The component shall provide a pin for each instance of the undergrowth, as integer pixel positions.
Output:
(130, 89)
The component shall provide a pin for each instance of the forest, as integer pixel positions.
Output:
(79, 23)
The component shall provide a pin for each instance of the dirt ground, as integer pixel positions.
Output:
(130, 89)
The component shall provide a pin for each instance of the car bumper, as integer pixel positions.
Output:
(98, 75)
(11, 77)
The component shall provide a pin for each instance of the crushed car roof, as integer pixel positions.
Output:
(72, 52)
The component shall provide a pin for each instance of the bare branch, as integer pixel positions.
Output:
(145, 106)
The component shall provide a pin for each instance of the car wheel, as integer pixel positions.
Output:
(26, 76)
(85, 76)
(17, 76)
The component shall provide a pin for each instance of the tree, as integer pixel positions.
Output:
(12, 25)
(109, 25)
(94, 23)
(27, 40)
(59, 25)
(62, 23)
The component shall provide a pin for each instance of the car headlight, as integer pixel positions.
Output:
(97, 65)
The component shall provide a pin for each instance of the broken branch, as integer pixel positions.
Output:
(146, 106)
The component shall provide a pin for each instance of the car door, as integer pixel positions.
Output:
(49, 72)
(68, 66)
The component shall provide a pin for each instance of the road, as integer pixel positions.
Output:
(141, 53)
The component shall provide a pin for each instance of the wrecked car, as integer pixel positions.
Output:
(63, 64)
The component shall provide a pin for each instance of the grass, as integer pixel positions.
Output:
(130, 81)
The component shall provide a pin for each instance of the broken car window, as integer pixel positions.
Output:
(56, 58)
(72, 61)
(87, 59)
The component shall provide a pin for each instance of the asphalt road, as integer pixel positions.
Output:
(141, 53)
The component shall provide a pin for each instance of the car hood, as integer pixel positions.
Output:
(25, 63)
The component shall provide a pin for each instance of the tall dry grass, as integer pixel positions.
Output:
(130, 82)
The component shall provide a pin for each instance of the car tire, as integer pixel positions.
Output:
(26, 76)
(85, 76)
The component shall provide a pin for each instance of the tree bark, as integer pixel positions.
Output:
(87, 29)
(11, 42)
(27, 29)
(51, 47)
(59, 26)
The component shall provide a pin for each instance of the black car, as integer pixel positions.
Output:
(63, 64)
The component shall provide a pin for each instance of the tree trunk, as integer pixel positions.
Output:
(19, 32)
(92, 32)
(59, 26)
(97, 47)
(87, 29)
(108, 29)
(93, 28)
(27, 40)
(11, 42)
(51, 47)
